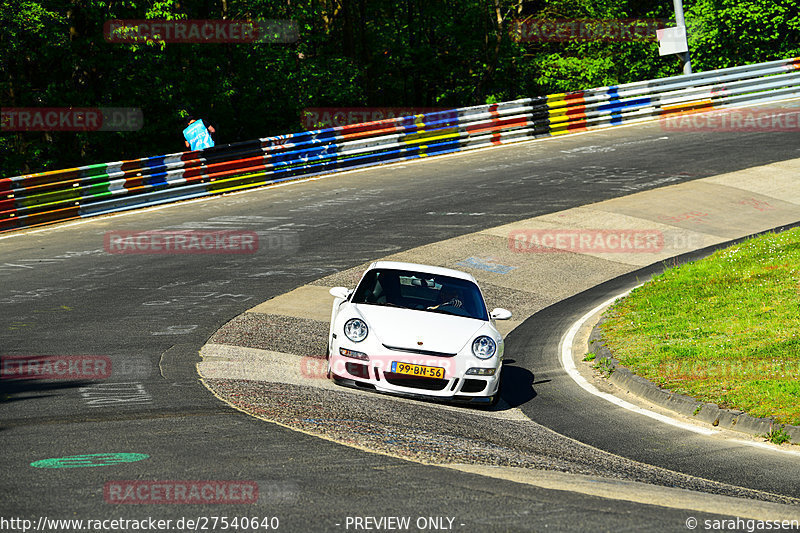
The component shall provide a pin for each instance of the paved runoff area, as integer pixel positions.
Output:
(269, 361)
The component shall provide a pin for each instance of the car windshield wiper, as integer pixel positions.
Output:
(444, 312)
(384, 304)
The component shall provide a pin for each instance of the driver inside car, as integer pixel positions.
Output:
(448, 297)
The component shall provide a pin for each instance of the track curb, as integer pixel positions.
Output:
(690, 407)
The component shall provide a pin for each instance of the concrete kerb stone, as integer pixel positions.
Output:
(755, 426)
(637, 385)
(709, 413)
(687, 406)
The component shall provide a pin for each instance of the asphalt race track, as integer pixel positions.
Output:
(62, 294)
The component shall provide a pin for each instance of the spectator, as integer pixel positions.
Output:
(197, 135)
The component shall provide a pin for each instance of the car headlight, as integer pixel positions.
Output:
(356, 329)
(481, 371)
(483, 347)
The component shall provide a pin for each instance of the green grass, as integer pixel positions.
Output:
(725, 329)
(778, 436)
(604, 366)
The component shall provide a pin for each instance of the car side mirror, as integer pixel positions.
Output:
(340, 292)
(500, 314)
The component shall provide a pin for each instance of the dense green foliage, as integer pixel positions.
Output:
(427, 53)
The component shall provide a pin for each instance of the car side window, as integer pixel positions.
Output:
(377, 294)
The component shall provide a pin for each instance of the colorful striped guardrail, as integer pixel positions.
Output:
(638, 101)
(46, 197)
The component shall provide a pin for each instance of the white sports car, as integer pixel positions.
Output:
(416, 330)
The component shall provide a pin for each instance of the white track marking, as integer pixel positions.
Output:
(568, 363)
(766, 446)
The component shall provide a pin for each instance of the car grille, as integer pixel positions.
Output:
(402, 380)
(473, 385)
(357, 370)
(420, 352)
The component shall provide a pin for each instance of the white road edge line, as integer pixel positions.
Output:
(568, 363)
(765, 446)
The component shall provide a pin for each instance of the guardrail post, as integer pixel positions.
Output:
(681, 22)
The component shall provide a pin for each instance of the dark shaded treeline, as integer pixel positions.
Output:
(423, 53)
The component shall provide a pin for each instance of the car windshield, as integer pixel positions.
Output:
(422, 292)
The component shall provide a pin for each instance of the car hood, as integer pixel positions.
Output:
(406, 328)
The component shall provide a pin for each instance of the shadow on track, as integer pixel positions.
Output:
(517, 386)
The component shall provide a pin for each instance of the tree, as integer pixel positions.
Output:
(422, 53)
(727, 33)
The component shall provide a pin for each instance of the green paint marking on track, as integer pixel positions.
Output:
(94, 459)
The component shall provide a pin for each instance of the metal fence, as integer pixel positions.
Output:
(59, 195)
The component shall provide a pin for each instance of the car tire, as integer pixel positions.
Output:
(495, 400)
(328, 359)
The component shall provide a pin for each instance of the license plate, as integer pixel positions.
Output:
(418, 370)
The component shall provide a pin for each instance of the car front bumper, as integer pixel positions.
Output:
(456, 387)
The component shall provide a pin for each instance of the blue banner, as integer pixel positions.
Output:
(198, 136)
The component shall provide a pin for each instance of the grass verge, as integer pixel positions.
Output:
(725, 329)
